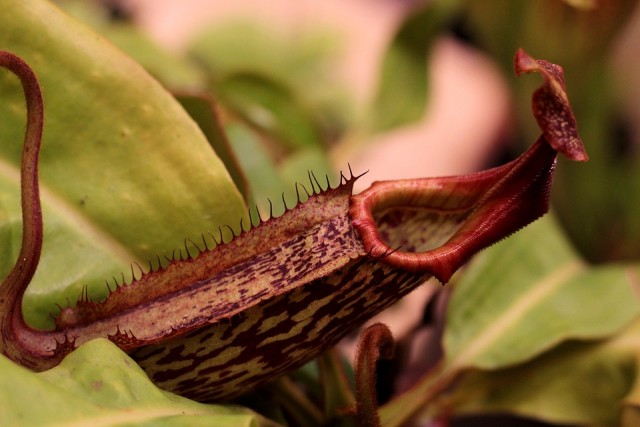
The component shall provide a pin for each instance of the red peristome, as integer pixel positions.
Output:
(499, 201)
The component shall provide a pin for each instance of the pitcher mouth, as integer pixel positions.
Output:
(464, 214)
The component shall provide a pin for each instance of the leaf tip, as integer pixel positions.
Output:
(551, 107)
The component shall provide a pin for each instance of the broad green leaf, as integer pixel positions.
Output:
(99, 385)
(175, 72)
(581, 383)
(126, 174)
(528, 294)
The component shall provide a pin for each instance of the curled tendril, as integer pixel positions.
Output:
(375, 343)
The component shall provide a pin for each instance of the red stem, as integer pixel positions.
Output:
(14, 286)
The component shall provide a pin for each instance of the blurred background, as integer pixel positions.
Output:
(401, 88)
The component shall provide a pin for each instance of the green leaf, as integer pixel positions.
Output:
(278, 84)
(528, 294)
(575, 383)
(270, 182)
(296, 167)
(401, 96)
(338, 396)
(125, 173)
(174, 71)
(270, 106)
(203, 110)
(264, 182)
(99, 385)
(236, 46)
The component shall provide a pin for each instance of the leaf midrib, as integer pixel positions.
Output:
(518, 309)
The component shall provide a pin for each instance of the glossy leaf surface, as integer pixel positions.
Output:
(577, 382)
(99, 385)
(528, 294)
(115, 147)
